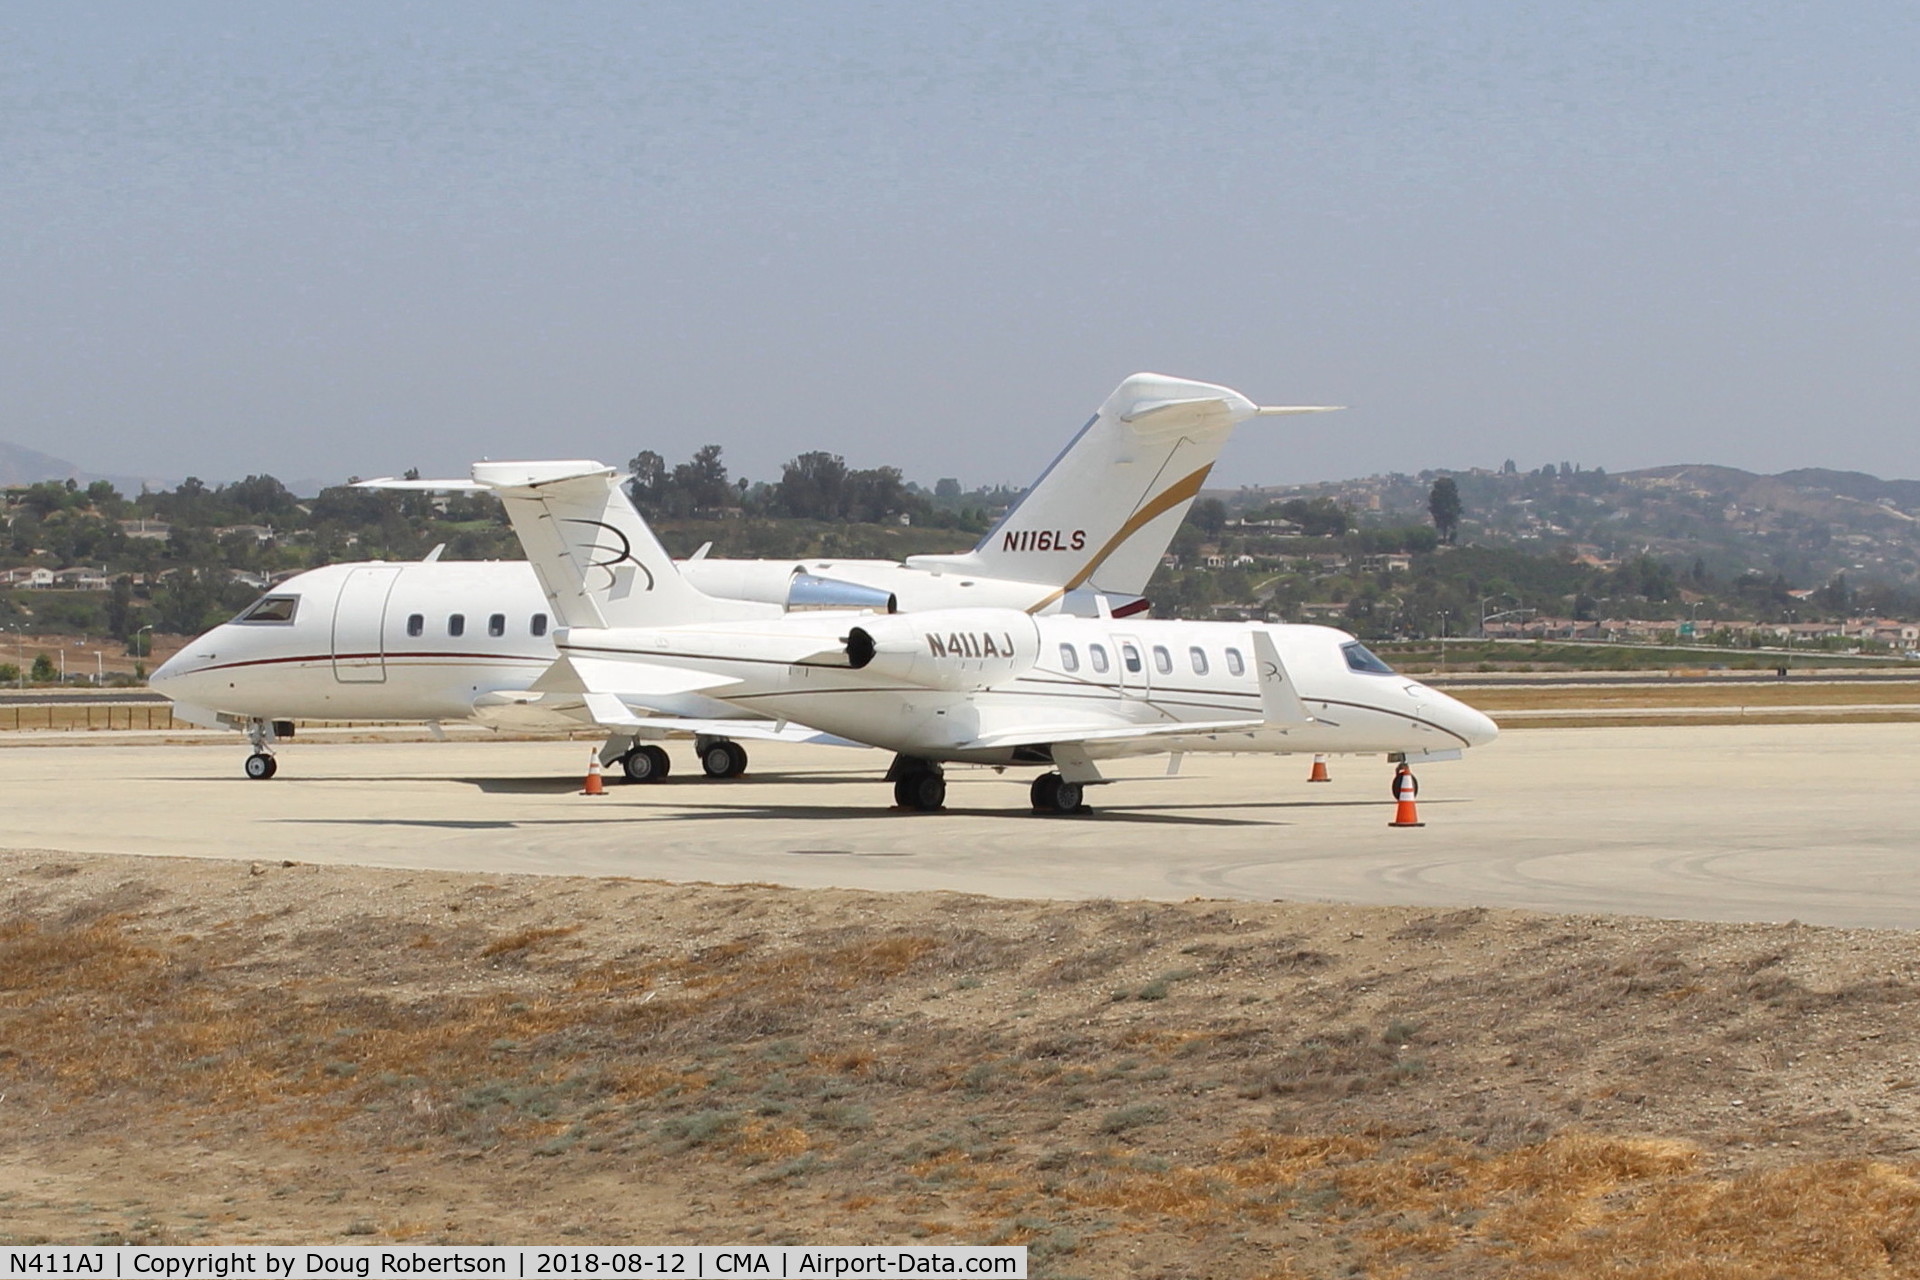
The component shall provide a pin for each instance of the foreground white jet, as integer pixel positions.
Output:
(439, 641)
(986, 686)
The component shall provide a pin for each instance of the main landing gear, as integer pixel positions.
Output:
(649, 762)
(261, 735)
(646, 763)
(921, 786)
(721, 757)
(1054, 794)
(918, 784)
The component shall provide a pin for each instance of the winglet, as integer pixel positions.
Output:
(1279, 701)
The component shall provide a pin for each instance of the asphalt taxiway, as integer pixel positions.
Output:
(1747, 822)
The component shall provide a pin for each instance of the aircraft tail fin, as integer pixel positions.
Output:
(1101, 515)
(597, 560)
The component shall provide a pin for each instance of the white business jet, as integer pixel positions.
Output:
(990, 686)
(438, 641)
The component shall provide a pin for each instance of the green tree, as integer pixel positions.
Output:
(649, 482)
(1318, 517)
(701, 483)
(813, 487)
(120, 608)
(44, 672)
(1209, 516)
(1443, 504)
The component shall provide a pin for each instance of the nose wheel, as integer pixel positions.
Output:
(261, 735)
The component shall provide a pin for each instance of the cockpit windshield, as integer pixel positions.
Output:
(271, 609)
(1360, 658)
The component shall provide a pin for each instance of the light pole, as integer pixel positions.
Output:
(1443, 642)
(1485, 617)
(139, 652)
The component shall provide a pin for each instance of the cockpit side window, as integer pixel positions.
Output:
(1360, 658)
(271, 609)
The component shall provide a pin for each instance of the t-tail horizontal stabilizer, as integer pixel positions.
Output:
(1102, 513)
(596, 559)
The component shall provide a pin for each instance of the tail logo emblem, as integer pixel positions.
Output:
(615, 556)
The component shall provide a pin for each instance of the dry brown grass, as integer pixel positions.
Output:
(1436, 1094)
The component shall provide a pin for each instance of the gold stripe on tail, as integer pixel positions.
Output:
(1165, 501)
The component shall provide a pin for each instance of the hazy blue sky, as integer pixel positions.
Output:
(329, 238)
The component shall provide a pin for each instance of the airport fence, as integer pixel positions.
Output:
(54, 714)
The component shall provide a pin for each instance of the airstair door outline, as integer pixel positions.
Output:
(1131, 656)
(360, 625)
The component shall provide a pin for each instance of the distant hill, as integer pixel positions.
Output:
(1807, 525)
(21, 465)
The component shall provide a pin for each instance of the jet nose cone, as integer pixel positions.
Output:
(179, 677)
(1474, 728)
(166, 674)
(1477, 727)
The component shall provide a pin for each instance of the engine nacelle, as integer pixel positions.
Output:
(956, 649)
(783, 583)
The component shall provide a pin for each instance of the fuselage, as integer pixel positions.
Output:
(447, 640)
(1026, 679)
(408, 641)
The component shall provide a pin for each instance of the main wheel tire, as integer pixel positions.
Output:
(1054, 794)
(724, 760)
(926, 792)
(261, 766)
(646, 764)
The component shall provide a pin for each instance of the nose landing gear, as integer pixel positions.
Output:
(261, 735)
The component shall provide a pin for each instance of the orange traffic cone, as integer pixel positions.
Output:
(594, 787)
(1319, 773)
(1405, 788)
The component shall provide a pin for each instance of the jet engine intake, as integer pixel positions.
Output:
(810, 591)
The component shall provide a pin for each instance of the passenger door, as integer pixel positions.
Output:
(360, 625)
